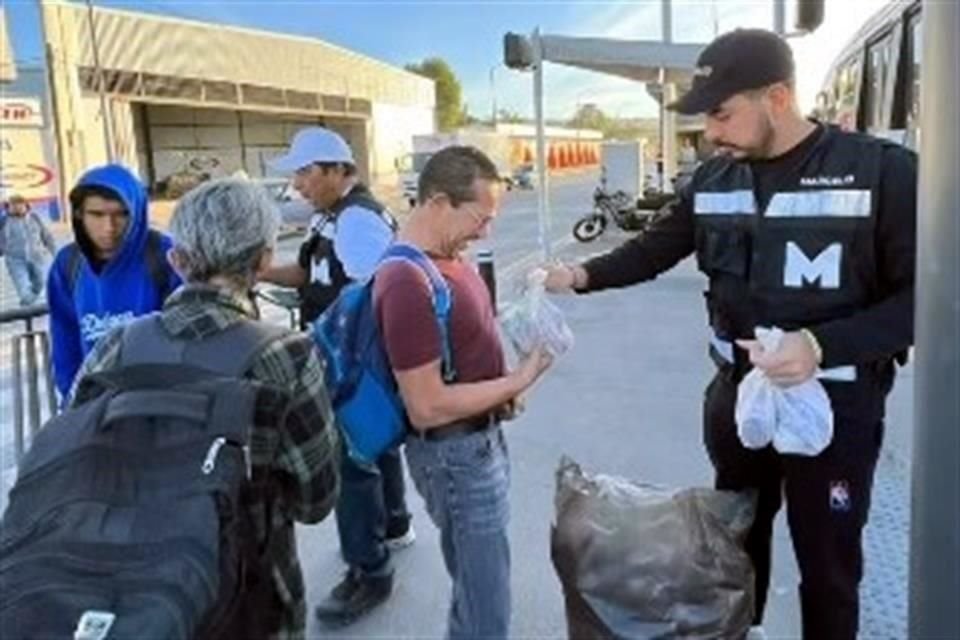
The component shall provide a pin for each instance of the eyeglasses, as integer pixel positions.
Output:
(473, 211)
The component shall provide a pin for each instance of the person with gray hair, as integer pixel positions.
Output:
(224, 233)
(224, 230)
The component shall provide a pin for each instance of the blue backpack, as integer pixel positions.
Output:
(362, 388)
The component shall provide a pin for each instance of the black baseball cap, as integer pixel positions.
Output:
(737, 61)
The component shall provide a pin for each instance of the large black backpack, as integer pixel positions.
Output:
(127, 520)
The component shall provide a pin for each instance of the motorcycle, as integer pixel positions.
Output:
(617, 206)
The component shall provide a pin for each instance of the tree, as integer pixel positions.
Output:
(590, 116)
(450, 110)
(508, 116)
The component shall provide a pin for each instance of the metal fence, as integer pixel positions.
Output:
(32, 376)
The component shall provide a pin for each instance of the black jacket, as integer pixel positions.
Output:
(830, 248)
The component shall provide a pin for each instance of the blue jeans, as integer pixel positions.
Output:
(465, 482)
(28, 277)
(371, 501)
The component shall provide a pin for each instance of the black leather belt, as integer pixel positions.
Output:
(460, 428)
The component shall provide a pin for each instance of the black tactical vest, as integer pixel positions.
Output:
(317, 251)
(808, 256)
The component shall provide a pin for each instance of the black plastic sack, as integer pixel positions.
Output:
(638, 561)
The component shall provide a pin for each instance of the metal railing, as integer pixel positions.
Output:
(30, 364)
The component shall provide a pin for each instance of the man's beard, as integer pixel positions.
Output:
(760, 151)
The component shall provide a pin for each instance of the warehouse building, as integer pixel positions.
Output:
(184, 97)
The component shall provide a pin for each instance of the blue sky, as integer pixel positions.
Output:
(469, 36)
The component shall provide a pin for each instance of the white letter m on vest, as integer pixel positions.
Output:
(825, 268)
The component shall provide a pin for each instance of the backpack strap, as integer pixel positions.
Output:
(74, 263)
(153, 258)
(156, 261)
(442, 297)
(151, 361)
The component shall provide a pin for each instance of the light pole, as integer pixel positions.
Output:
(493, 95)
(935, 486)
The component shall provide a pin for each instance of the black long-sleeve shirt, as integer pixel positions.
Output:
(876, 332)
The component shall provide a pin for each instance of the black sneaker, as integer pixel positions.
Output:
(356, 594)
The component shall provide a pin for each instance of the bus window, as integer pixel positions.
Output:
(880, 72)
(915, 49)
(846, 89)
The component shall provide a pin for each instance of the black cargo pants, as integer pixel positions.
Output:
(827, 496)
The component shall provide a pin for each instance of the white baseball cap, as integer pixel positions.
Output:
(314, 144)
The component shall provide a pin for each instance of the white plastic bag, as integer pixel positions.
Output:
(534, 320)
(797, 419)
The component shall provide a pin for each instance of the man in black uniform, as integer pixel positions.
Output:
(348, 236)
(805, 227)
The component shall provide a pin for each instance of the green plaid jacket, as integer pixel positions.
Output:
(293, 440)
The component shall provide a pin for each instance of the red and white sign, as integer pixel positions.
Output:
(22, 112)
(18, 178)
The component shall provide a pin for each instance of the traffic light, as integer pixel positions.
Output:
(517, 52)
(809, 15)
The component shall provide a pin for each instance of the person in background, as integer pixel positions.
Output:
(25, 243)
(349, 234)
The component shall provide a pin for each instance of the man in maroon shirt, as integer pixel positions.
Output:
(456, 453)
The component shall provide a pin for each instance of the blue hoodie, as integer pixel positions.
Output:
(105, 297)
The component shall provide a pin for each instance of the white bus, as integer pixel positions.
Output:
(874, 84)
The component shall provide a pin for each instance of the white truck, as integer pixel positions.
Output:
(496, 146)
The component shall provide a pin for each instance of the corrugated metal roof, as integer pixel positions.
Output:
(171, 47)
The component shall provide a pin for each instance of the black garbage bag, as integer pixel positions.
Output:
(638, 561)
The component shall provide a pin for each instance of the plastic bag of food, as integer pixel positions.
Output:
(797, 419)
(638, 561)
(534, 320)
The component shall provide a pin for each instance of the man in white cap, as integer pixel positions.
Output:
(350, 231)
(348, 235)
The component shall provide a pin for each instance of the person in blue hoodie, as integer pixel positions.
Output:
(115, 270)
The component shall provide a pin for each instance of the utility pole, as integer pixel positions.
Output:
(493, 96)
(105, 113)
(935, 469)
(780, 16)
(543, 175)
